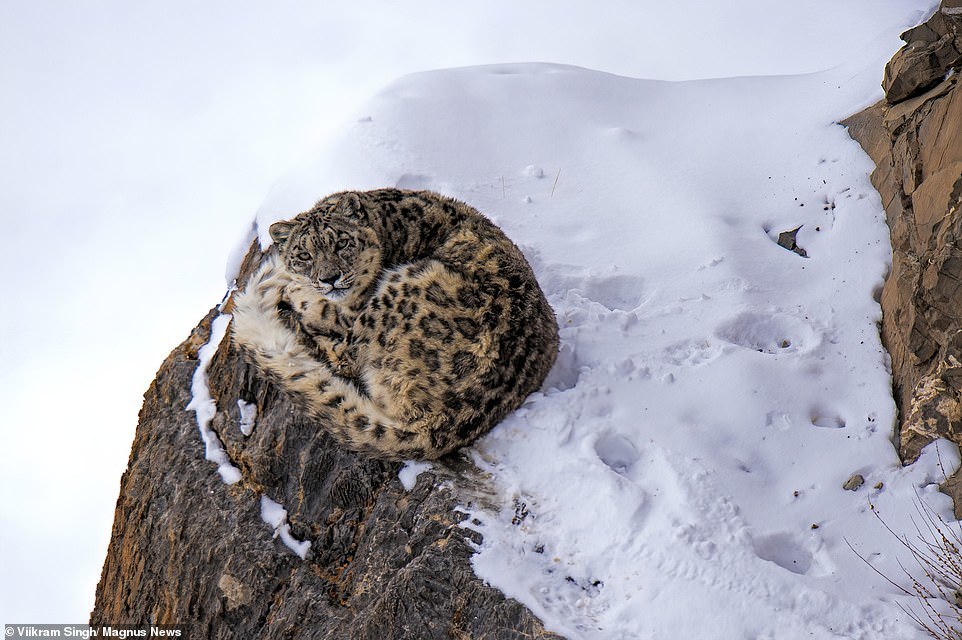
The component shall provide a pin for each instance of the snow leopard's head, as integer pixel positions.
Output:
(330, 247)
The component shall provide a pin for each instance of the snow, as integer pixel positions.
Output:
(236, 257)
(273, 514)
(248, 416)
(408, 475)
(179, 118)
(204, 407)
(714, 390)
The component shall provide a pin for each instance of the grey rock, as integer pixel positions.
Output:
(854, 483)
(786, 240)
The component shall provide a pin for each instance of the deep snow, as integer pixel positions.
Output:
(682, 473)
(136, 137)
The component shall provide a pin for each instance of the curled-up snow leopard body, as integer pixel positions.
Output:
(404, 322)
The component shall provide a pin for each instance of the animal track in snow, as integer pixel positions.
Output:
(782, 549)
(617, 451)
(769, 333)
(827, 419)
(688, 353)
(778, 420)
(790, 552)
(566, 370)
(614, 292)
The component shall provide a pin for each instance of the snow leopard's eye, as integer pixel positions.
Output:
(303, 255)
(342, 244)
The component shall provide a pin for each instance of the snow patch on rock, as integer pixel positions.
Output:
(204, 407)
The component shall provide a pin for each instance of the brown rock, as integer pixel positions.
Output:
(932, 49)
(915, 139)
(931, 202)
(868, 129)
(918, 67)
(940, 129)
(854, 483)
(936, 409)
(188, 549)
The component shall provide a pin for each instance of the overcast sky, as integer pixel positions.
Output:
(137, 140)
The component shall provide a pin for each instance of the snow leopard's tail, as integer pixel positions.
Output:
(335, 403)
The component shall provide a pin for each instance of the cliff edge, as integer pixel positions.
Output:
(914, 136)
(222, 554)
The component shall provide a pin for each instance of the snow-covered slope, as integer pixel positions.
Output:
(136, 134)
(682, 473)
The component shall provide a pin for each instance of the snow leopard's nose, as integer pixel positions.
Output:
(329, 279)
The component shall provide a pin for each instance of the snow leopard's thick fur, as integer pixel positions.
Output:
(405, 323)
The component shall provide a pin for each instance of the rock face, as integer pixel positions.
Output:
(188, 549)
(931, 50)
(915, 138)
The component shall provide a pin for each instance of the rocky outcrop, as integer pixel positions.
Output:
(931, 50)
(189, 549)
(915, 138)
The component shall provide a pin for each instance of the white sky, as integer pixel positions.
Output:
(137, 140)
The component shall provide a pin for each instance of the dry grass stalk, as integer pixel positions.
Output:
(937, 554)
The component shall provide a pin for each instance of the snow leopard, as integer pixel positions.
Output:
(404, 323)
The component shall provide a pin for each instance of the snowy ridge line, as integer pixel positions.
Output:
(203, 405)
(236, 257)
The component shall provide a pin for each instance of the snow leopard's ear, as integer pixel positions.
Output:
(280, 232)
(349, 206)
